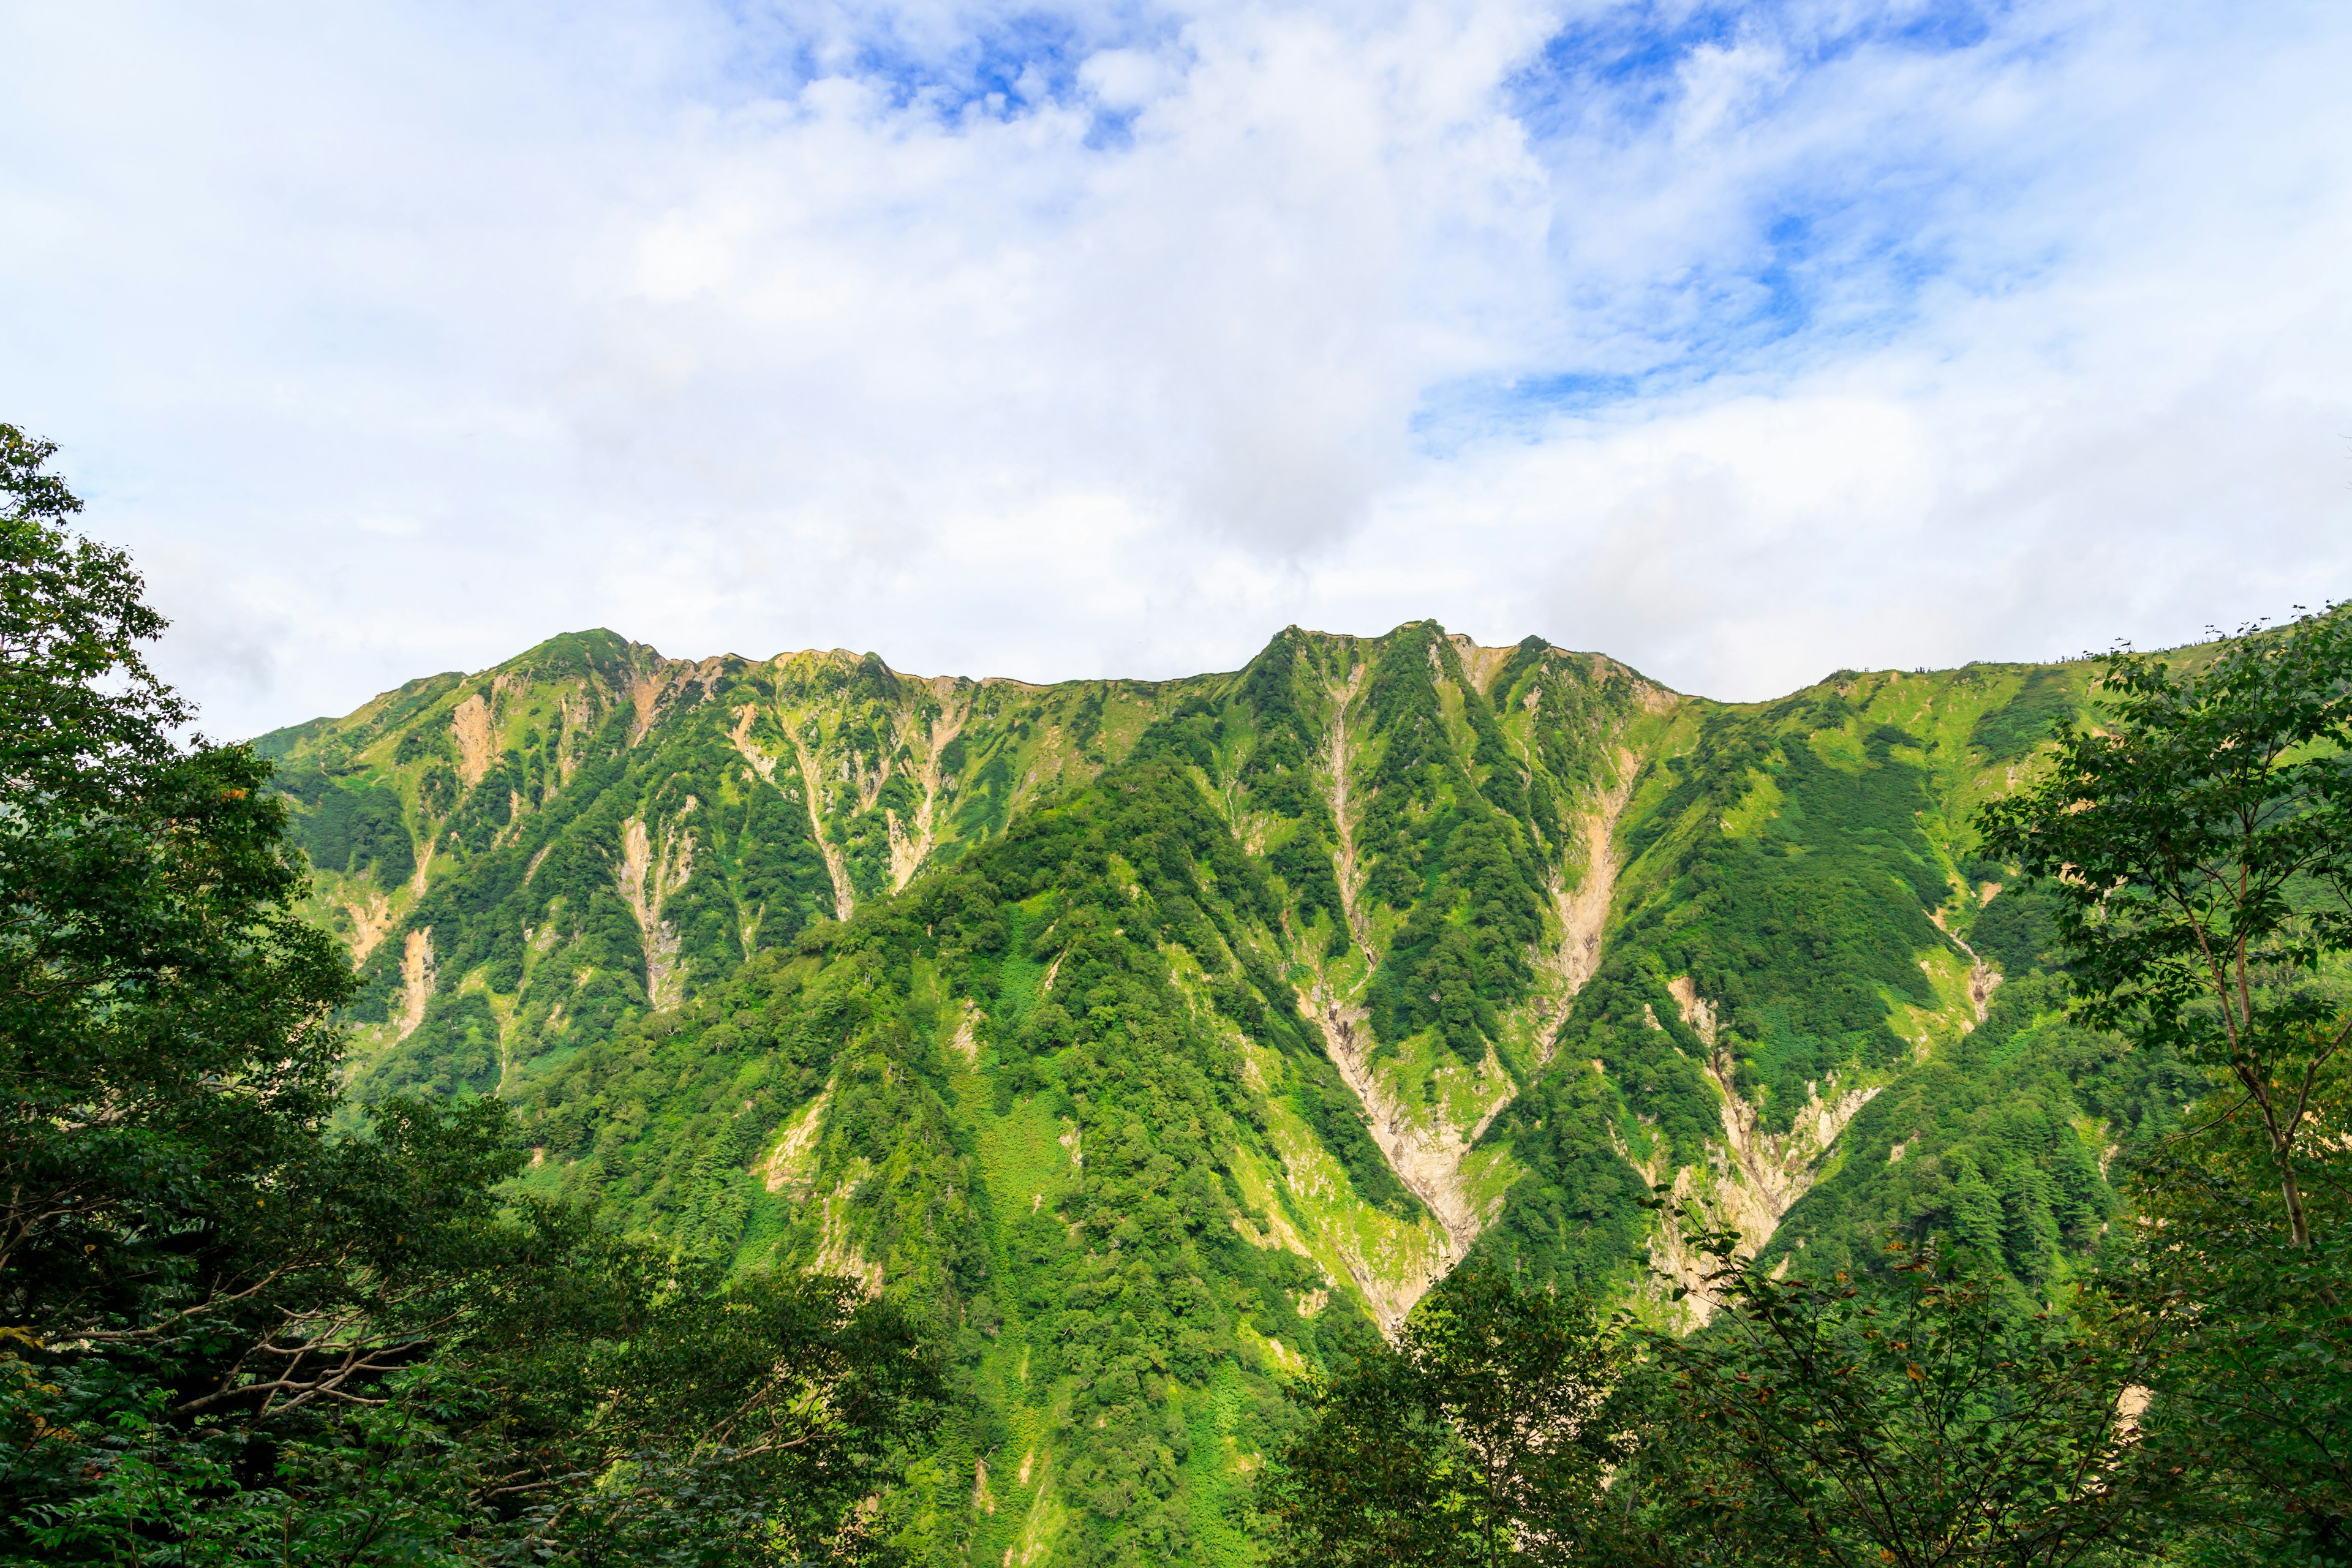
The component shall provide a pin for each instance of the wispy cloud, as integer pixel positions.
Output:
(1744, 341)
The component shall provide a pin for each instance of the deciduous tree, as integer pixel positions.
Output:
(1482, 1436)
(2199, 840)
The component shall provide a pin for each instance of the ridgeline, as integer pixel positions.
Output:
(1158, 1040)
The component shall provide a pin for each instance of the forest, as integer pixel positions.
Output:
(1403, 1101)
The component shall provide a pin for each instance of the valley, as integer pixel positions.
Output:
(1161, 1040)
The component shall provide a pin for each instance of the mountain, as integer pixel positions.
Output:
(1161, 1038)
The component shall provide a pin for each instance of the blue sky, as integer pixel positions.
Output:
(1743, 341)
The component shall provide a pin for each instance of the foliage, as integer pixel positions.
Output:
(2198, 851)
(354, 827)
(537, 1393)
(1066, 1079)
(1984, 1147)
(1798, 931)
(2253, 1395)
(78, 704)
(2199, 846)
(2011, 731)
(1124, 1284)
(1925, 1417)
(1483, 1436)
(165, 1051)
(230, 1330)
(1444, 851)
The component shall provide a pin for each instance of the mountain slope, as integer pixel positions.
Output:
(1161, 1036)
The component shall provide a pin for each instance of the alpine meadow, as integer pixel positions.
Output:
(790, 1110)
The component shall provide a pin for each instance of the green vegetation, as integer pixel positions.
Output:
(1072, 1082)
(1927, 1418)
(2199, 847)
(1487, 1435)
(232, 1332)
(1057, 1079)
(2025, 1368)
(1982, 1149)
(1107, 1308)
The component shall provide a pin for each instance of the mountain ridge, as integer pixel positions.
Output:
(854, 656)
(1160, 1036)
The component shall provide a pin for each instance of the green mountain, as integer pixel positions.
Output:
(1160, 1038)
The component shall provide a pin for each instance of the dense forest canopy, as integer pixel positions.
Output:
(612, 1108)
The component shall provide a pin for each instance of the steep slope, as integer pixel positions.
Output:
(590, 829)
(1792, 940)
(1162, 1037)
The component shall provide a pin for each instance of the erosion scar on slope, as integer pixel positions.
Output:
(1428, 1158)
(469, 722)
(372, 921)
(843, 899)
(417, 980)
(1359, 924)
(1982, 976)
(1584, 913)
(909, 851)
(1754, 1177)
(645, 876)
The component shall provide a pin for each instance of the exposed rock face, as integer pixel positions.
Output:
(372, 920)
(1584, 911)
(744, 798)
(1105, 1001)
(646, 875)
(471, 723)
(416, 978)
(1982, 976)
(966, 1041)
(1753, 1177)
(910, 846)
(1341, 763)
(790, 1165)
(1425, 1140)
(845, 895)
(1425, 1152)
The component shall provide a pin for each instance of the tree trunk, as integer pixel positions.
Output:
(2296, 1222)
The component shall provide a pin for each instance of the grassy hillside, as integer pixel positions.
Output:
(1160, 1038)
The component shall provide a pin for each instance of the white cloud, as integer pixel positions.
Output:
(396, 339)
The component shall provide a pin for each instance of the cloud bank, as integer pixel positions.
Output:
(1741, 341)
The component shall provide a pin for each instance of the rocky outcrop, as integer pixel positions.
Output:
(1752, 1176)
(1425, 1152)
(910, 846)
(1982, 976)
(1583, 910)
(790, 1165)
(470, 725)
(372, 921)
(1340, 761)
(646, 875)
(416, 981)
(1427, 1144)
(844, 898)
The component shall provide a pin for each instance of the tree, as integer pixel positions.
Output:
(538, 1391)
(1924, 1418)
(613, 1403)
(1482, 1436)
(79, 707)
(2200, 842)
(231, 1332)
(167, 1055)
(2253, 1387)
